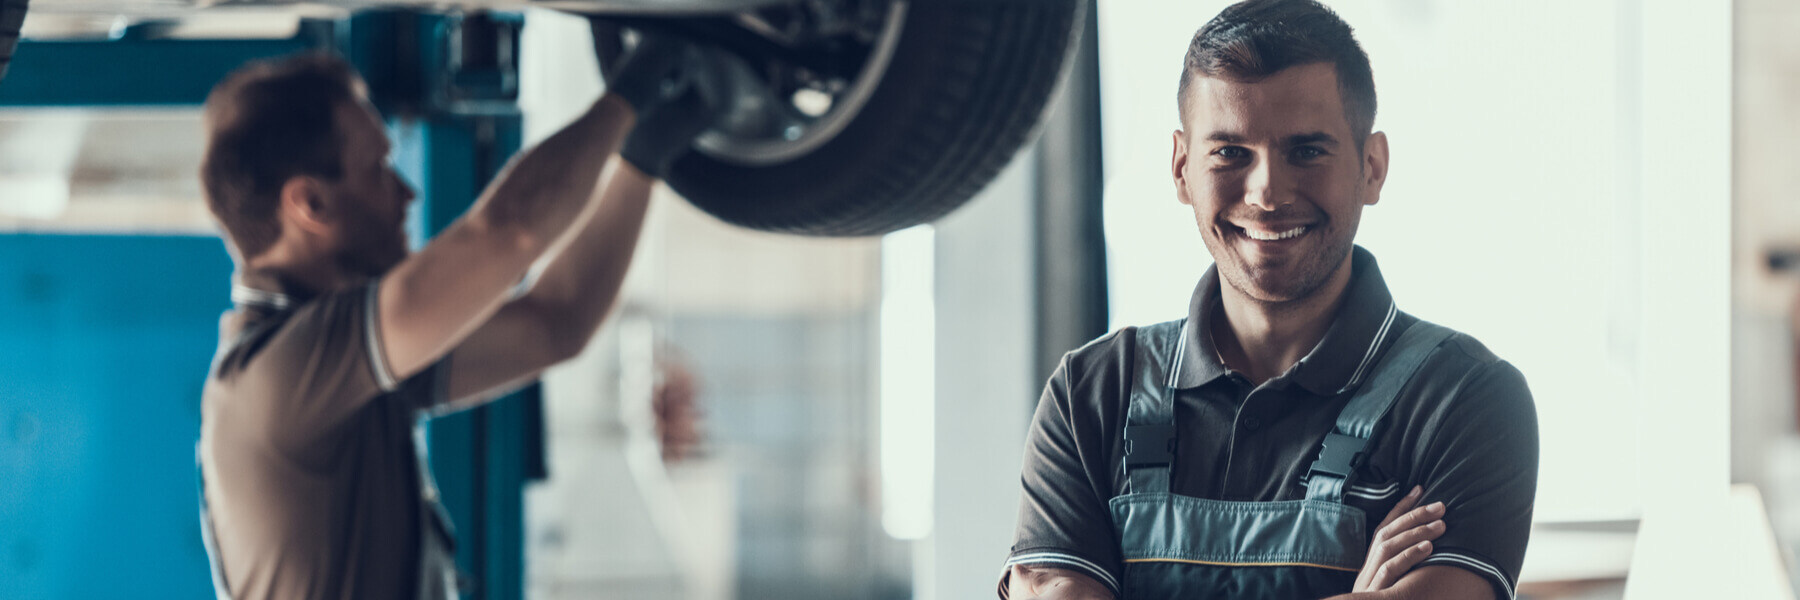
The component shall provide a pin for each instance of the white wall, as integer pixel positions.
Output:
(986, 386)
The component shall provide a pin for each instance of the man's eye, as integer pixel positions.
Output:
(1231, 153)
(1308, 153)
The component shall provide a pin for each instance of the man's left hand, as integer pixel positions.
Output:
(1403, 540)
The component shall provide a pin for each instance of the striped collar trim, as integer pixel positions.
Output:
(243, 295)
(1381, 335)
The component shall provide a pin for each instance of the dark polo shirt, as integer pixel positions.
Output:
(1465, 429)
(307, 448)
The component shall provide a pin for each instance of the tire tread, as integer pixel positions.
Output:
(998, 65)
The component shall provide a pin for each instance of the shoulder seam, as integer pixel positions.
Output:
(1099, 340)
(1064, 364)
(1462, 339)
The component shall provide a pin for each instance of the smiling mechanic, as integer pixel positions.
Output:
(1275, 442)
(313, 485)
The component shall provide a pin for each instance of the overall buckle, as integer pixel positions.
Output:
(1340, 455)
(1149, 445)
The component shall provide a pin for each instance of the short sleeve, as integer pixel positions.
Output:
(1063, 517)
(374, 347)
(1481, 462)
(429, 390)
(304, 373)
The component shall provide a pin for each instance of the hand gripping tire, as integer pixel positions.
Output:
(965, 87)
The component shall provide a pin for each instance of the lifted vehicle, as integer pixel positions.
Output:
(851, 117)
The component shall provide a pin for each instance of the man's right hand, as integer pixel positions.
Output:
(435, 300)
(653, 72)
(666, 132)
(1402, 540)
(677, 87)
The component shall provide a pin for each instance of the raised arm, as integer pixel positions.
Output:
(565, 307)
(435, 299)
(581, 281)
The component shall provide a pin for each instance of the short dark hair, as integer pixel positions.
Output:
(267, 122)
(1254, 39)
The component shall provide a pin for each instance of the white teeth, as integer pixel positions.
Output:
(1270, 237)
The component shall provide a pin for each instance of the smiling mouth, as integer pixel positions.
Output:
(1273, 236)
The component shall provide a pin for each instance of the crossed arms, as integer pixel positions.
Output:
(1403, 540)
(1473, 447)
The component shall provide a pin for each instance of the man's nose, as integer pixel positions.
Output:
(406, 191)
(1262, 188)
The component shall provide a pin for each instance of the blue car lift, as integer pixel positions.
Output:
(97, 495)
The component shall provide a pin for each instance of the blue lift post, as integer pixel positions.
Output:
(451, 106)
(88, 485)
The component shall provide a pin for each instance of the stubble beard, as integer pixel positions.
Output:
(1298, 281)
(380, 252)
(1290, 285)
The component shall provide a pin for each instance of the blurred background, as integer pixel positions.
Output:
(1600, 191)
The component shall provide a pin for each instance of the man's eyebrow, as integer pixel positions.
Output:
(1317, 137)
(1298, 139)
(1225, 137)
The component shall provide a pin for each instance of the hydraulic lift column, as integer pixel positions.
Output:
(448, 87)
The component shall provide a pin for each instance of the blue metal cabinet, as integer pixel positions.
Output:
(104, 342)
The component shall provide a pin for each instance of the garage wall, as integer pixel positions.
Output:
(987, 384)
(1765, 444)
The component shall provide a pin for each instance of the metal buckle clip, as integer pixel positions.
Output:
(1340, 455)
(1149, 445)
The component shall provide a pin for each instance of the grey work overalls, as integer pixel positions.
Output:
(1178, 546)
(437, 546)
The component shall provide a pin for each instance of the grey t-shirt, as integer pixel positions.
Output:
(307, 451)
(1465, 429)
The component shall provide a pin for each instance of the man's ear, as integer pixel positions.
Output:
(1178, 167)
(1375, 167)
(303, 203)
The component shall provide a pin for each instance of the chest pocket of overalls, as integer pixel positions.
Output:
(1178, 546)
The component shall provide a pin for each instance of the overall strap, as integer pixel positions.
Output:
(1150, 419)
(1345, 447)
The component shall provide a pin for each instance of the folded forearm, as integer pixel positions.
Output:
(1028, 582)
(544, 192)
(1378, 595)
(583, 278)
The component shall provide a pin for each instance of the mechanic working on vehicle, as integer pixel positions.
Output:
(312, 481)
(1296, 436)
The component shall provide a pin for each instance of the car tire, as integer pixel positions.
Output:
(965, 89)
(12, 16)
